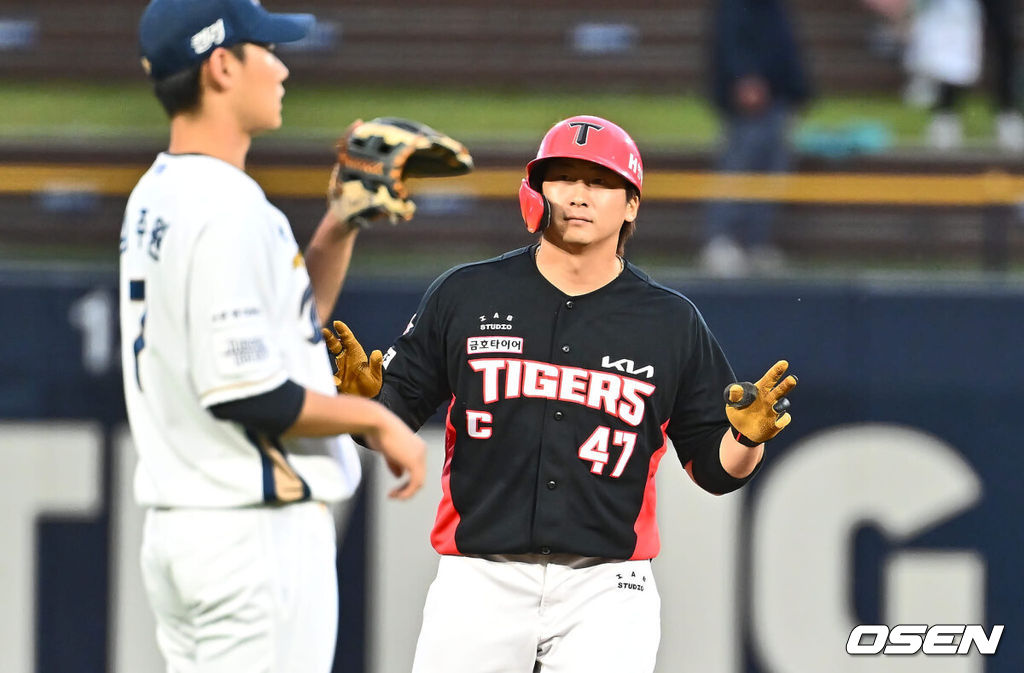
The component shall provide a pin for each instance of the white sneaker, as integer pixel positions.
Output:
(1010, 131)
(723, 258)
(945, 131)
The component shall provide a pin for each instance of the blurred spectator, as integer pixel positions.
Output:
(946, 44)
(943, 46)
(757, 84)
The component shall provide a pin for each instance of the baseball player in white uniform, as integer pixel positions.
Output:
(228, 384)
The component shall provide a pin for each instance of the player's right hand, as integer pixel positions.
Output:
(356, 374)
(403, 451)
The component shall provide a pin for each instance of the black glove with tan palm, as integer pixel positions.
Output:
(759, 411)
(356, 374)
(374, 160)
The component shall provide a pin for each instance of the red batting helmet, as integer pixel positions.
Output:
(581, 137)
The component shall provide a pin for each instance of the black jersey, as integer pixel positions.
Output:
(558, 406)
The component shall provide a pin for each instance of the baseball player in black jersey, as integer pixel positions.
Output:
(566, 370)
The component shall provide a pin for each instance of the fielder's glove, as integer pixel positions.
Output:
(759, 411)
(357, 374)
(375, 158)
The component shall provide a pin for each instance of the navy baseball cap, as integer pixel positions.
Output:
(177, 34)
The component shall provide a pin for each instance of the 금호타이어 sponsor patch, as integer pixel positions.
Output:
(494, 344)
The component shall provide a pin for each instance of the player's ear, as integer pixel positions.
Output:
(632, 205)
(219, 69)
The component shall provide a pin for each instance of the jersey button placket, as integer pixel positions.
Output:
(565, 348)
(550, 508)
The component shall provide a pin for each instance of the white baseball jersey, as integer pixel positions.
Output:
(216, 305)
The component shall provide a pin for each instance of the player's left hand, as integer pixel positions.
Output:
(375, 158)
(759, 411)
(357, 374)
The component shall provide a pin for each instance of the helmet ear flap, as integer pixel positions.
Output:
(535, 208)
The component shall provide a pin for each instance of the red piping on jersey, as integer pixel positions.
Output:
(442, 537)
(648, 541)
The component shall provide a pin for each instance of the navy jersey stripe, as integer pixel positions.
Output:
(268, 467)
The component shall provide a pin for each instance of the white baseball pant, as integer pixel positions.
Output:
(539, 614)
(250, 590)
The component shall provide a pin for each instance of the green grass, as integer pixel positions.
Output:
(73, 109)
(111, 110)
(501, 117)
(84, 112)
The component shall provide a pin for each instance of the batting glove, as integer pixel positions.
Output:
(356, 374)
(759, 411)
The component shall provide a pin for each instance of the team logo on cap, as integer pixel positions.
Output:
(208, 37)
(583, 130)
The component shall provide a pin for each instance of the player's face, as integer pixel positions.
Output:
(261, 88)
(588, 203)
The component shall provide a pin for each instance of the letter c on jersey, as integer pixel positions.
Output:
(474, 424)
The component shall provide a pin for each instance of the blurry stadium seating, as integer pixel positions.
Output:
(650, 45)
(969, 226)
(469, 42)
